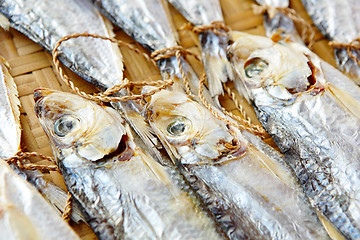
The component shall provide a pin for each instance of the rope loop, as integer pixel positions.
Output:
(307, 34)
(354, 45)
(243, 124)
(104, 97)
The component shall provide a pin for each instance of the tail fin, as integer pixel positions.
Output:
(217, 67)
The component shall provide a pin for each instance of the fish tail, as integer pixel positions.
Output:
(217, 66)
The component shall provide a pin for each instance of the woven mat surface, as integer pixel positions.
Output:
(31, 67)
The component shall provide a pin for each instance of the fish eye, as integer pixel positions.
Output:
(179, 126)
(254, 67)
(65, 125)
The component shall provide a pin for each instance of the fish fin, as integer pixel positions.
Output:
(4, 22)
(119, 57)
(217, 66)
(242, 89)
(58, 198)
(169, 16)
(132, 116)
(13, 96)
(272, 166)
(345, 99)
(329, 228)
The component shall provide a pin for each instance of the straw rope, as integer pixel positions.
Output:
(307, 34)
(353, 45)
(20, 156)
(217, 27)
(176, 51)
(126, 84)
(238, 106)
(243, 124)
(67, 210)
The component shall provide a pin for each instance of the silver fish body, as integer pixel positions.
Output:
(124, 193)
(24, 212)
(213, 46)
(314, 123)
(10, 130)
(45, 22)
(245, 183)
(339, 21)
(146, 21)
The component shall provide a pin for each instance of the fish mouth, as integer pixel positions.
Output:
(314, 87)
(124, 152)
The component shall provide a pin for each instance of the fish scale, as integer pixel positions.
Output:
(96, 60)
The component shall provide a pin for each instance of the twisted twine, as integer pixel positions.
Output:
(104, 96)
(68, 208)
(353, 45)
(217, 27)
(20, 156)
(307, 34)
(243, 124)
(176, 51)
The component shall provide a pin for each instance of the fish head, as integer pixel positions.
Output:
(78, 126)
(192, 133)
(280, 70)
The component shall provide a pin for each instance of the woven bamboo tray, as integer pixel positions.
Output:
(31, 67)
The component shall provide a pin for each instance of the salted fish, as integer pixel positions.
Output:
(279, 23)
(245, 183)
(213, 46)
(47, 21)
(124, 193)
(10, 136)
(97, 61)
(314, 123)
(148, 22)
(339, 21)
(24, 212)
(10, 128)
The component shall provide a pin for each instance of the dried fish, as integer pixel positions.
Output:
(46, 22)
(124, 193)
(10, 130)
(149, 24)
(10, 135)
(277, 23)
(245, 183)
(339, 21)
(24, 212)
(97, 61)
(314, 123)
(213, 46)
